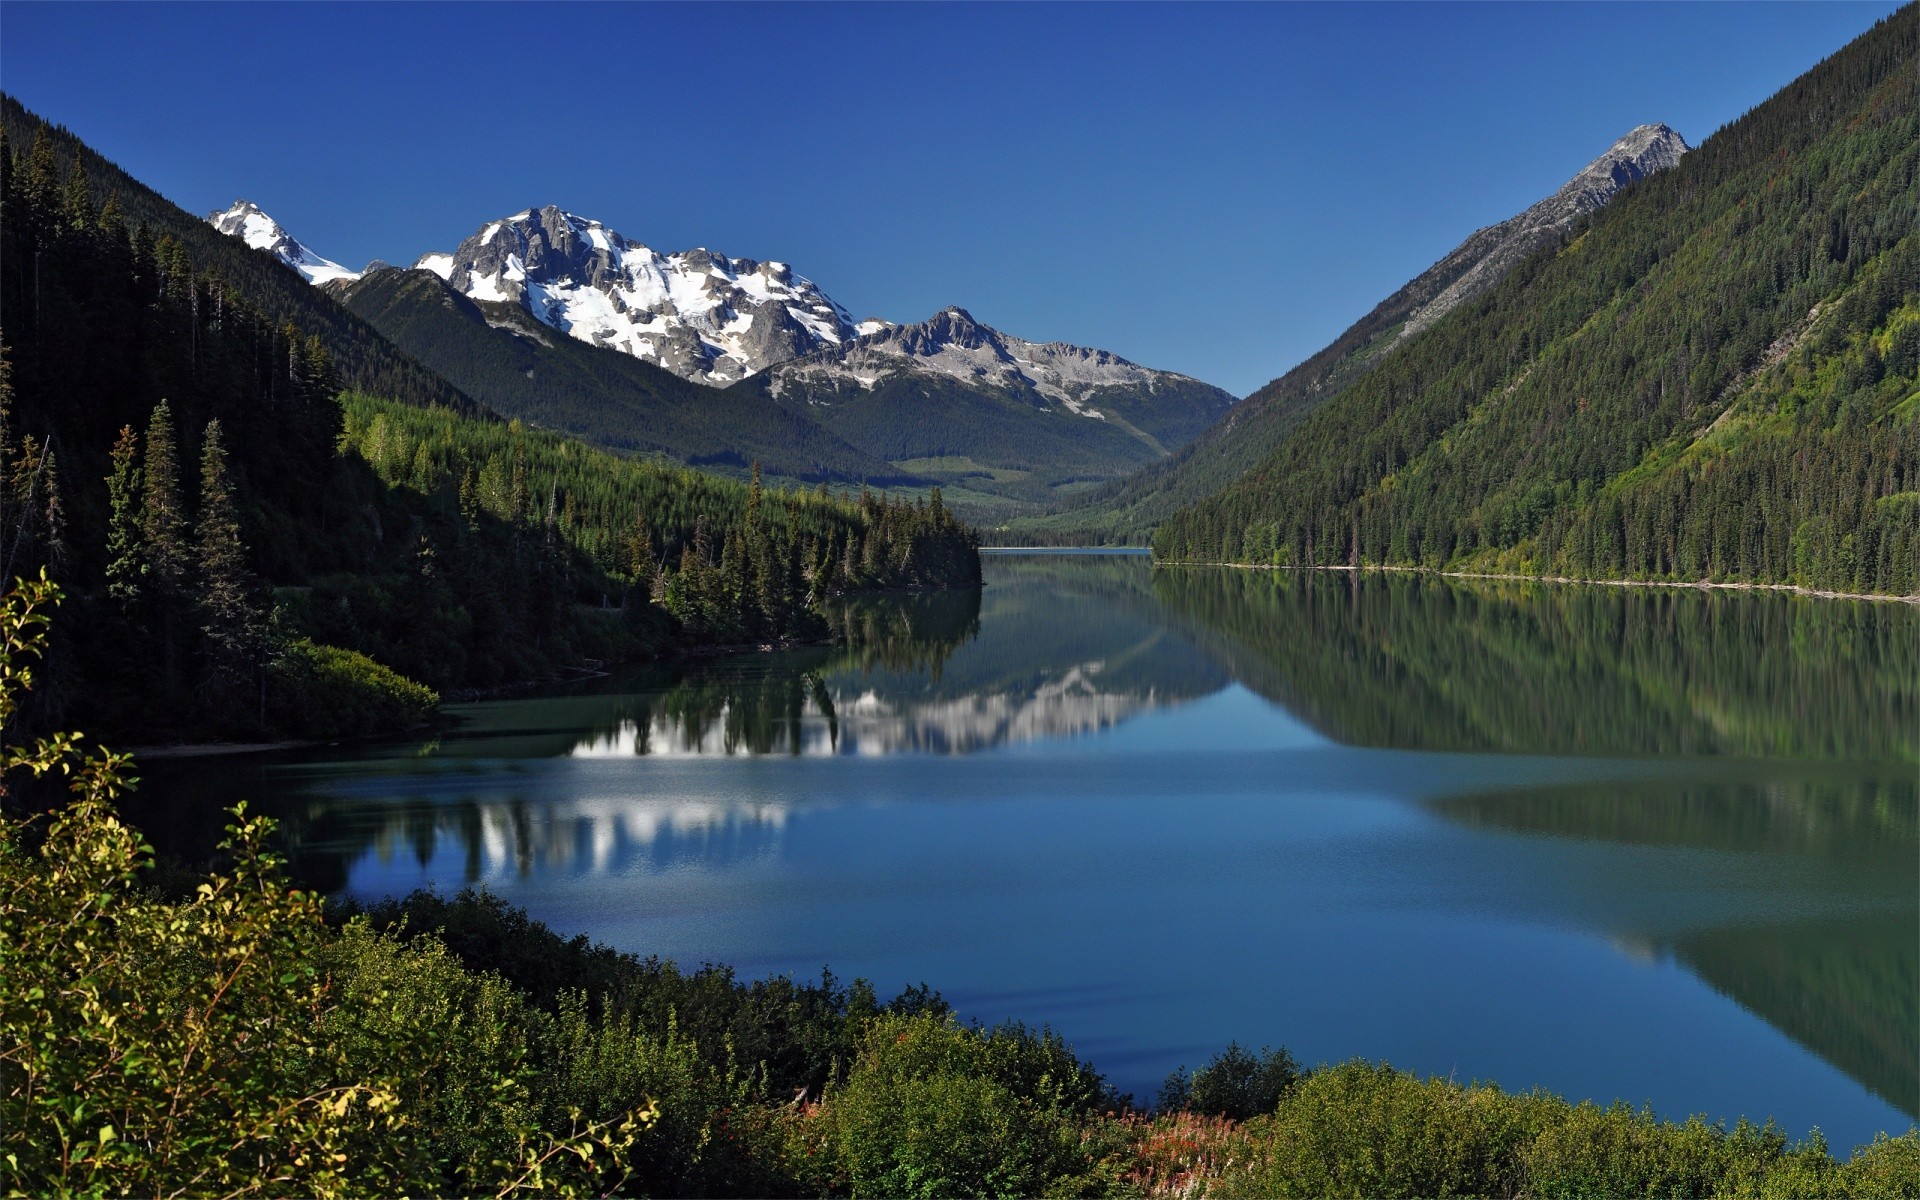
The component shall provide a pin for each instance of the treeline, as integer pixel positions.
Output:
(731, 563)
(245, 560)
(1712, 380)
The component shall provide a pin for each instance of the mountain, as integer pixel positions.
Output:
(703, 316)
(364, 359)
(1129, 509)
(245, 221)
(1004, 419)
(1010, 424)
(498, 353)
(1716, 378)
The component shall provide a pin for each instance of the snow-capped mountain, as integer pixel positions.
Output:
(245, 221)
(1484, 258)
(953, 344)
(993, 413)
(703, 316)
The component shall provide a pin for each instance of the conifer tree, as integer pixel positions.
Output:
(164, 539)
(231, 620)
(124, 550)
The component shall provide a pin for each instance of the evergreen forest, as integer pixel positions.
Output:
(1718, 378)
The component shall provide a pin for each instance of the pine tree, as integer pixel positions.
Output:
(125, 547)
(164, 516)
(231, 618)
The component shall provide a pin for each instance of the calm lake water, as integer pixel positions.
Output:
(1659, 846)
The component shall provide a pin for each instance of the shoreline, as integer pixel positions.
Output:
(1701, 585)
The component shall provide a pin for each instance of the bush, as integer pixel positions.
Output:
(1236, 1084)
(1358, 1129)
(934, 1108)
(324, 691)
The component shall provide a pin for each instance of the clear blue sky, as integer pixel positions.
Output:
(1217, 190)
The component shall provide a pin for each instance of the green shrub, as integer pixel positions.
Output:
(1615, 1151)
(1360, 1129)
(324, 691)
(933, 1108)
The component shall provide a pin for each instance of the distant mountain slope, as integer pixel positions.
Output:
(364, 359)
(1718, 379)
(499, 354)
(703, 316)
(1005, 418)
(1129, 509)
(245, 221)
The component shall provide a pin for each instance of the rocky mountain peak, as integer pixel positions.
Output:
(245, 220)
(701, 314)
(1644, 150)
(1484, 258)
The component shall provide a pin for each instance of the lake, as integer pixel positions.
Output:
(1652, 845)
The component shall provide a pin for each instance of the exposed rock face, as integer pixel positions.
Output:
(953, 344)
(245, 221)
(1485, 257)
(703, 316)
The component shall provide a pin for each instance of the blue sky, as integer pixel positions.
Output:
(1214, 189)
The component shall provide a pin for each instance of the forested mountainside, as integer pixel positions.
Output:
(1715, 380)
(1006, 423)
(498, 353)
(234, 543)
(1127, 510)
(362, 357)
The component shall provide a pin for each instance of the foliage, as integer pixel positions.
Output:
(1713, 380)
(220, 1044)
(936, 1109)
(1361, 1129)
(1236, 1084)
(329, 692)
(795, 1038)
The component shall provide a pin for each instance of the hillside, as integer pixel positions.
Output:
(363, 358)
(1716, 379)
(496, 352)
(1127, 510)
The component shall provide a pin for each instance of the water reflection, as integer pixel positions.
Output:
(1420, 662)
(1722, 782)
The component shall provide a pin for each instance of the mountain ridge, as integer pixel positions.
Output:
(1129, 508)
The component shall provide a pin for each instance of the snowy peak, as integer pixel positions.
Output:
(702, 315)
(245, 221)
(952, 343)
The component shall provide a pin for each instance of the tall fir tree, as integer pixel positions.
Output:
(232, 624)
(125, 542)
(163, 535)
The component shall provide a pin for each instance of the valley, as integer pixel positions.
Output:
(615, 719)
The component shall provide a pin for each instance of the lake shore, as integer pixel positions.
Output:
(1701, 585)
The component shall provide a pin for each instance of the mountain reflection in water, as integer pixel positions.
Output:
(1725, 782)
